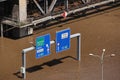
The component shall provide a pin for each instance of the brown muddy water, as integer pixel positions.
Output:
(100, 30)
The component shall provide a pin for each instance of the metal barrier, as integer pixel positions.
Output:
(24, 52)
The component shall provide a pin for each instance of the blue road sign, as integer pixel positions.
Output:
(42, 46)
(62, 40)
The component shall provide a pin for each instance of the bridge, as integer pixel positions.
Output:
(22, 16)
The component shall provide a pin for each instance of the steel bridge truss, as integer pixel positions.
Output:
(39, 11)
(53, 9)
(30, 14)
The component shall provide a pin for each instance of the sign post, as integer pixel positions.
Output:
(42, 46)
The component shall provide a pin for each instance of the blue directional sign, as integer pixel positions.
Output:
(62, 40)
(42, 46)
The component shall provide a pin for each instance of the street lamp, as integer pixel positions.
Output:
(102, 58)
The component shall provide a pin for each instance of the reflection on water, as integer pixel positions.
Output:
(31, 40)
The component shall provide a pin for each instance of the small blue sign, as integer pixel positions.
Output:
(42, 46)
(62, 40)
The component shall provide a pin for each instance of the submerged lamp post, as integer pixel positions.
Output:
(102, 59)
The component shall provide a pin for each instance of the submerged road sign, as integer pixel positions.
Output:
(62, 40)
(42, 46)
(42, 40)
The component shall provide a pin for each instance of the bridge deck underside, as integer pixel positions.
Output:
(39, 11)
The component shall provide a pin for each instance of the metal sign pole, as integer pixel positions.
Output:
(23, 68)
(79, 47)
(24, 51)
(78, 35)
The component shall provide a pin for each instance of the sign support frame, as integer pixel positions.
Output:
(24, 52)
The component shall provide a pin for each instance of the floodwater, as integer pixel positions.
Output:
(99, 31)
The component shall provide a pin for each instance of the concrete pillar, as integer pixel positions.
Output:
(23, 10)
